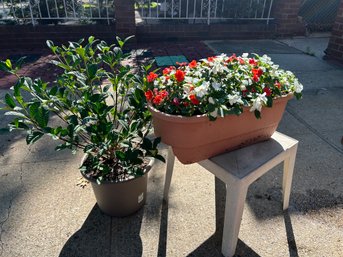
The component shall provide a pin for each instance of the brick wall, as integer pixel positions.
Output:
(286, 17)
(335, 47)
(29, 37)
(168, 31)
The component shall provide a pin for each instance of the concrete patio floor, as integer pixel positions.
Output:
(43, 213)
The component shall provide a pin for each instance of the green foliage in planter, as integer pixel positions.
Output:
(108, 121)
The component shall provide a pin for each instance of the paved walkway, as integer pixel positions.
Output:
(43, 212)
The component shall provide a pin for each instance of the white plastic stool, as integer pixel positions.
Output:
(238, 169)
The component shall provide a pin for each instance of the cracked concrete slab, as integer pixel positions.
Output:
(48, 211)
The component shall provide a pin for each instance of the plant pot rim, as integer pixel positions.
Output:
(147, 168)
(199, 118)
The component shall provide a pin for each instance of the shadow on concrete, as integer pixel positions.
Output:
(91, 239)
(292, 246)
(163, 238)
(212, 246)
(102, 235)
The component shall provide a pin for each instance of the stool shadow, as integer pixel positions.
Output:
(214, 242)
(212, 246)
(162, 240)
(292, 246)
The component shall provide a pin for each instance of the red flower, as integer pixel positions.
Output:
(210, 59)
(194, 100)
(151, 77)
(179, 75)
(157, 100)
(277, 84)
(192, 64)
(231, 58)
(166, 71)
(163, 94)
(267, 91)
(181, 63)
(252, 61)
(176, 101)
(258, 72)
(244, 92)
(159, 96)
(149, 95)
(255, 78)
(241, 61)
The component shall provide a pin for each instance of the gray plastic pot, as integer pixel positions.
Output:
(120, 199)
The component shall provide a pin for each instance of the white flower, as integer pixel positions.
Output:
(187, 87)
(195, 80)
(235, 99)
(210, 100)
(243, 87)
(156, 82)
(245, 82)
(197, 73)
(258, 102)
(217, 67)
(214, 113)
(221, 58)
(245, 55)
(216, 85)
(298, 87)
(202, 90)
(188, 79)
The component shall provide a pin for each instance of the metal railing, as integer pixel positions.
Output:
(209, 11)
(56, 11)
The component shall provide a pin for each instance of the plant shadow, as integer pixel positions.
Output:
(102, 235)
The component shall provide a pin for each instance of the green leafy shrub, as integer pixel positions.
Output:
(108, 121)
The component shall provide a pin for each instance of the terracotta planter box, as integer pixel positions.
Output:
(197, 138)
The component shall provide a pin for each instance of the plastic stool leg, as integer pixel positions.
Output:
(235, 199)
(288, 169)
(169, 173)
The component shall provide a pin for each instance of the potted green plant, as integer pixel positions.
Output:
(192, 105)
(108, 121)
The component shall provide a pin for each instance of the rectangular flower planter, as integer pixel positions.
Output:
(197, 138)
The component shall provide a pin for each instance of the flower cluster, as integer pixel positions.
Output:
(220, 85)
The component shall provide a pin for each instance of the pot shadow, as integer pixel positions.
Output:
(102, 235)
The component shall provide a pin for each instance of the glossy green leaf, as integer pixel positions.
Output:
(9, 100)
(33, 137)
